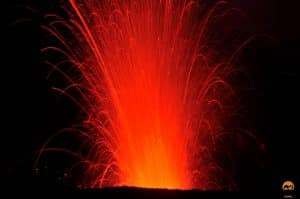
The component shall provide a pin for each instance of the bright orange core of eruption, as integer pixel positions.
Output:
(152, 91)
(152, 149)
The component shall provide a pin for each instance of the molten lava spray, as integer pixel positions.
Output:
(153, 90)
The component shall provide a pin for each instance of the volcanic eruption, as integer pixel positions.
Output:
(153, 87)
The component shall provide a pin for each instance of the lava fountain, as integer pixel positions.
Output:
(153, 90)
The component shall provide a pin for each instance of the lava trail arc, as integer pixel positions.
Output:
(152, 87)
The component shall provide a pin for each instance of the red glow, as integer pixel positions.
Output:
(152, 89)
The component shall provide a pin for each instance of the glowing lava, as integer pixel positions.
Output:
(152, 87)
